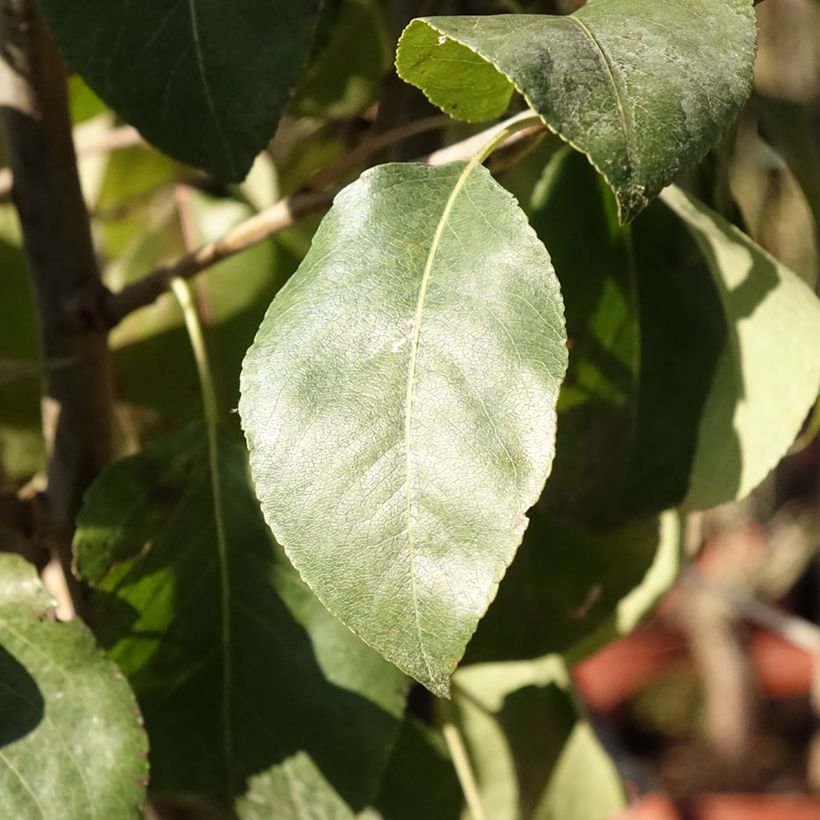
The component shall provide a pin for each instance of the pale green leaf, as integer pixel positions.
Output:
(72, 745)
(252, 693)
(768, 375)
(534, 755)
(203, 80)
(399, 404)
(643, 87)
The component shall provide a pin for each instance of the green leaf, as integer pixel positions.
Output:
(251, 691)
(768, 375)
(571, 589)
(72, 745)
(203, 80)
(643, 87)
(399, 406)
(533, 754)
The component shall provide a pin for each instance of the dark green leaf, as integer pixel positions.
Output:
(420, 781)
(203, 80)
(399, 406)
(571, 589)
(643, 87)
(251, 691)
(646, 329)
(72, 745)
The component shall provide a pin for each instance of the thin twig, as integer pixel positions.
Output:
(265, 224)
(357, 156)
(279, 216)
(464, 771)
(797, 631)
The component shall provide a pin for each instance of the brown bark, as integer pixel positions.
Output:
(68, 291)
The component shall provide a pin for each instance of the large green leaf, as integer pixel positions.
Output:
(251, 691)
(643, 87)
(203, 80)
(768, 375)
(534, 755)
(72, 745)
(399, 406)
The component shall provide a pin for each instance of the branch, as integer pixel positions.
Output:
(279, 216)
(76, 399)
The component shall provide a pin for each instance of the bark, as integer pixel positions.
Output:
(65, 279)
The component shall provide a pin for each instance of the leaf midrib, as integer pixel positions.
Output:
(411, 390)
(206, 87)
(612, 76)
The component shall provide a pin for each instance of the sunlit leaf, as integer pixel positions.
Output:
(534, 755)
(768, 376)
(643, 87)
(399, 406)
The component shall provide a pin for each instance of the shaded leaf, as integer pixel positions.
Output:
(768, 375)
(72, 745)
(534, 755)
(345, 76)
(251, 691)
(643, 87)
(399, 406)
(204, 81)
(645, 329)
(571, 589)
(419, 781)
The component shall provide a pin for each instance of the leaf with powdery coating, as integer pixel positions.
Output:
(643, 87)
(399, 404)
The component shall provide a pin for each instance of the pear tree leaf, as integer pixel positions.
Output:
(399, 406)
(72, 746)
(255, 698)
(204, 81)
(643, 87)
(533, 753)
(768, 375)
